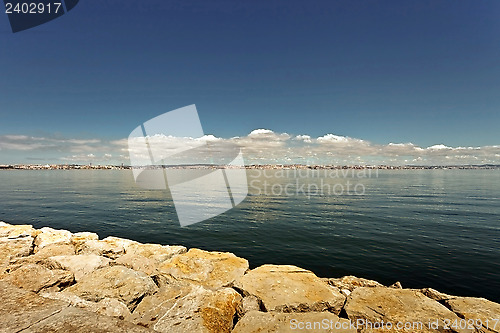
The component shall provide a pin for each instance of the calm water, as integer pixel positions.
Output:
(435, 228)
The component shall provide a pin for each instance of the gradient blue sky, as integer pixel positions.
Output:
(425, 72)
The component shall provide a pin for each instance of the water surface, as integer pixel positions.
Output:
(425, 228)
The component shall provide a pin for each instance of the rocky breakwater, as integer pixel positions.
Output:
(57, 281)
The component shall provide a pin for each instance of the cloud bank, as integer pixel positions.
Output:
(261, 146)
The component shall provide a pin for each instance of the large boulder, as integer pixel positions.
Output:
(49, 236)
(288, 288)
(12, 250)
(138, 263)
(68, 298)
(76, 320)
(22, 308)
(153, 307)
(16, 231)
(117, 282)
(478, 310)
(16, 247)
(271, 322)
(77, 239)
(52, 250)
(111, 247)
(434, 294)
(156, 252)
(185, 308)
(79, 265)
(209, 269)
(100, 248)
(123, 242)
(351, 282)
(25, 311)
(107, 306)
(35, 277)
(113, 308)
(41, 256)
(368, 306)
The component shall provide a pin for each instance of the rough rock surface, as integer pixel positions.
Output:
(107, 306)
(477, 309)
(153, 307)
(52, 250)
(351, 282)
(209, 269)
(396, 285)
(248, 303)
(25, 311)
(68, 298)
(125, 286)
(35, 277)
(112, 307)
(111, 247)
(41, 256)
(289, 288)
(78, 320)
(77, 239)
(101, 248)
(79, 265)
(398, 305)
(117, 282)
(268, 322)
(16, 231)
(184, 308)
(20, 308)
(138, 263)
(156, 252)
(12, 249)
(49, 236)
(434, 294)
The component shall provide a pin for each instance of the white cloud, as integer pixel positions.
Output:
(259, 146)
(16, 137)
(439, 147)
(305, 138)
(260, 132)
(208, 138)
(27, 143)
(332, 138)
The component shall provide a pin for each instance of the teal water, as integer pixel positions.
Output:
(425, 228)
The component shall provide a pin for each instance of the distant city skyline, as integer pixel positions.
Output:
(399, 81)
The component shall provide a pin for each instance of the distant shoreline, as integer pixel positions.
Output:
(253, 166)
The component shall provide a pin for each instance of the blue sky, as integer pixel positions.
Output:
(425, 72)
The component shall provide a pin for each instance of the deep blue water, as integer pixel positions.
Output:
(425, 228)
